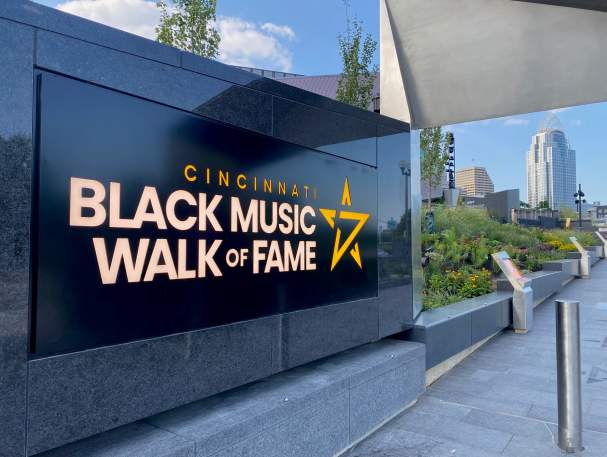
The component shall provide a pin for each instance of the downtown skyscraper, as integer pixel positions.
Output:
(474, 181)
(551, 168)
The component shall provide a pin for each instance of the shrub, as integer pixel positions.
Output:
(455, 285)
(476, 284)
(460, 264)
(433, 299)
(586, 239)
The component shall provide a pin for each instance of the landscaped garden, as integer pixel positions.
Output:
(459, 262)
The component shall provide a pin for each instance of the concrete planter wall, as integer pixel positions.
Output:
(452, 330)
(544, 283)
(594, 253)
(598, 251)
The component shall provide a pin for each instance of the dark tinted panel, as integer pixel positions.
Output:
(154, 221)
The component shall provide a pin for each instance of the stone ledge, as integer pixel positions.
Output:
(323, 407)
(592, 252)
(569, 266)
(448, 330)
(451, 330)
(137, 439)
(544, 283)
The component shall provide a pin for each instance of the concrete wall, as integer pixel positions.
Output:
(452, 55)
(500, 204)
(48, 402)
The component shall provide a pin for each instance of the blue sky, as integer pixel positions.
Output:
(500, 145)
(302, 37)
(316, 24)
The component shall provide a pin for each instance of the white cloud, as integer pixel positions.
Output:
(250, 45)
(280, 30)
(560, 110)
(135, 16)
(455, 128)
(242, 43)
(516, 121)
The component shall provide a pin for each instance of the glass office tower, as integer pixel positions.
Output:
(551, 169)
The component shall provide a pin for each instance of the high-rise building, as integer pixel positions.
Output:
(551, 170)
(474, 181)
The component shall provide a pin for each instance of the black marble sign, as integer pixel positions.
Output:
(151, 221)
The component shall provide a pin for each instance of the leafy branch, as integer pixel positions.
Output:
(190, 26)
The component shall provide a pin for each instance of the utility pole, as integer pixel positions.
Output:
(579, 200)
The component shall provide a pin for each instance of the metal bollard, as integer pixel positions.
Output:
(569, 379)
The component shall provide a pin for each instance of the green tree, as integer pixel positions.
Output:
(525, 205)
(544, 205)
(355, 84)
(434, 154)
(189, 26)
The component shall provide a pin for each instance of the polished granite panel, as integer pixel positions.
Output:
(313, 432)
(444, 340)
(47, 18)
(81, 394)
(241, 107)
(137, 76)
(51, 19)
(227, 73)
(318, 332)
(155, 81)
(326, 131)
(320, 407)
(54, 20)
(390, 124)
(217, 70)
(76, 395)
(415, 203)
(217, 423)
(394, 231)
(258, 414)
(489, 320)
(286, 91)
(133, 440)
(450, 329)
(17, 45)
(394, 310)
(377, 399)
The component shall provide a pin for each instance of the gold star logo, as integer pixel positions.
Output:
(330, 215)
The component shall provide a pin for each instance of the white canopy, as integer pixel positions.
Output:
(451, 61)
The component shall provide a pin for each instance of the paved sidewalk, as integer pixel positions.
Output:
(501, 400)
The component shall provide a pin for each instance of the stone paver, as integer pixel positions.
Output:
(501, 400)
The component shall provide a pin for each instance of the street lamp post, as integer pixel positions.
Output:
(451, 194)
(451, 160)
(579, 200)
(405, 170)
